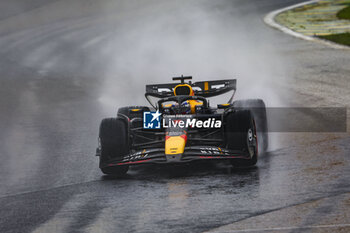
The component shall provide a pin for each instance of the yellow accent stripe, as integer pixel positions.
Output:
(175, 145)
(206, 86)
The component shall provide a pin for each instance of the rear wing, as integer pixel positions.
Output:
(204, 88)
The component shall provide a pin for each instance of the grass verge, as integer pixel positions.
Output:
(344, 13)
(342, 38)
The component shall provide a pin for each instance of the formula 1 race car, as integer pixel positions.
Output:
(182, 127)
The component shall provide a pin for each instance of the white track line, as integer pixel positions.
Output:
(269, 19)
(285, 228)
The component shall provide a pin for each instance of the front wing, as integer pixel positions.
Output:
(191, 153)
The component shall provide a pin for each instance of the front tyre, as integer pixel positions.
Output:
(241, 136)
(114, 143)
(258, 109)
(116, 171)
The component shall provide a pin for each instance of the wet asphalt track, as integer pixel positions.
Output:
(52, 98)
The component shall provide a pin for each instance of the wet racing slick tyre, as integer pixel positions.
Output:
(241, 135)
(114, 144)
(258, 108)
(133, 111)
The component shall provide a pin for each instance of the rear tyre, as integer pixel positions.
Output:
(258, 109)
(114, 144)
(241, 135)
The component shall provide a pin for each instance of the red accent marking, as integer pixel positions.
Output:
(223, 157)
(130, 162)
(184, 136)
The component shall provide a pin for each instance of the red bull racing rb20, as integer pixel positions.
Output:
(182, 127)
